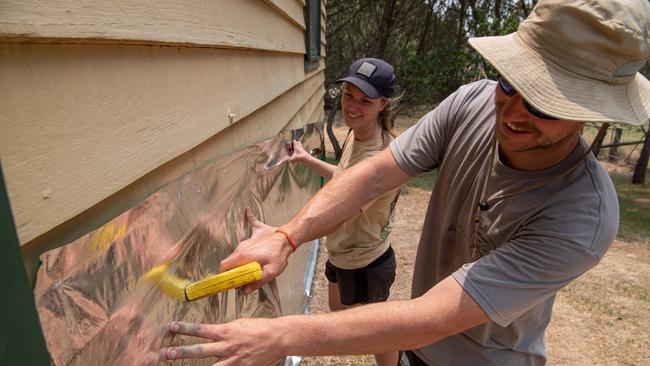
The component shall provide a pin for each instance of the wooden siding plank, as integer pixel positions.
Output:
(81, 123)
(290, 9)
(264, 122)
(243, 24)
(319, 112)
(307, 112)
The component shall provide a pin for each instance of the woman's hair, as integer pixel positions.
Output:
(387, 116)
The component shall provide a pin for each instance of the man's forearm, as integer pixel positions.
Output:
(344, 196)
(361, 330)
(382, 327)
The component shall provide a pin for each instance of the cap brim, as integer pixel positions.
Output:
(365, 86)
(560, 92)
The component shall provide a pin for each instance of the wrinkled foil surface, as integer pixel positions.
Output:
(94, 305)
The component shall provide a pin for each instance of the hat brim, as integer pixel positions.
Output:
(365, 86)
(562, 93)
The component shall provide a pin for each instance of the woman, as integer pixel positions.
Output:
(361, 264)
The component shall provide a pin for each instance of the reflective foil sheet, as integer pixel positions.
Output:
(98, 307)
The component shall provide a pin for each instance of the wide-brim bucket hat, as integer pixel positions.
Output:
(578, 59)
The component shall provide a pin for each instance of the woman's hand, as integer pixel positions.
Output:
(243, 342)
(300, 155)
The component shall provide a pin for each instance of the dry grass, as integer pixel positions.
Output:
(603, 318)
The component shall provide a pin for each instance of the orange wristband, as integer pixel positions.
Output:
(293, 245)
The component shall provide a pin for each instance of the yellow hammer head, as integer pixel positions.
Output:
(168, 283)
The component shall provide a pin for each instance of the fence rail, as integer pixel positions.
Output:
(634, 152)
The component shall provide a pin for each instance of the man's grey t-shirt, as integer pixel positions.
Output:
(525, 247)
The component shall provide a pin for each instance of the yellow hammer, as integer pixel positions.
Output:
(185, 290)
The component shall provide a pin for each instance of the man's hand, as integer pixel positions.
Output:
(270, 249)
(243, 342)
(259, 228)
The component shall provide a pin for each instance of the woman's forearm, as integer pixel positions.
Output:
(324, 169)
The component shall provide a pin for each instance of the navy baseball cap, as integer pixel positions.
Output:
(373, 76)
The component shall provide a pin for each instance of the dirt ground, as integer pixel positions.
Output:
(603, 318)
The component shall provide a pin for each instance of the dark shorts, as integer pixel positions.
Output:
(409, 358)
(364, 285)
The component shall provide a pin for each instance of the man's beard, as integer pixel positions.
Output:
(546, 143)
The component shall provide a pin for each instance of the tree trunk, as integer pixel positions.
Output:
(384, 29)
(422, 42)
(598, 143)
(642, 164)
(497, 12)
(460, 32)
(525, 9)
(330, 127)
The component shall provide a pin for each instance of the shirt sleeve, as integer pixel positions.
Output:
(421, 148)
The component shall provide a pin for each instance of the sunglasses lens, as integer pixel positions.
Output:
(506, 87)
(537, 113)
(510, 91)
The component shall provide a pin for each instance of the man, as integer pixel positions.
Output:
(520, 207)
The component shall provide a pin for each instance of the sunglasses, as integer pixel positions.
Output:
(510, 91)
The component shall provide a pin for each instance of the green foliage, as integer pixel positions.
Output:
(426, 40)
(331, 160)
(423, 181)
(634, 201)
